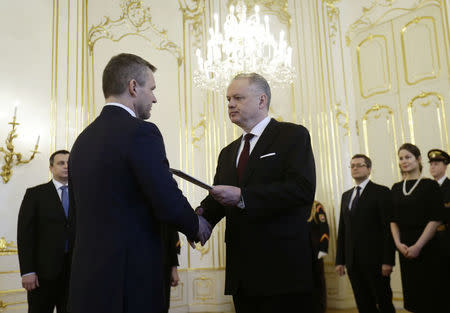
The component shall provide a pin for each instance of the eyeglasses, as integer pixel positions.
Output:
(357, 165)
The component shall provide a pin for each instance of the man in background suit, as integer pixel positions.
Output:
(120, 182)
(45, 233)
(264, 185)
(364, 244)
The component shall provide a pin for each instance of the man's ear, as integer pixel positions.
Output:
(132, 84)
(263, 101)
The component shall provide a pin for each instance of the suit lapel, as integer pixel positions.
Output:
(346, 200)
(231, 170)
(365, 194)
(54, 198)
(266, 139)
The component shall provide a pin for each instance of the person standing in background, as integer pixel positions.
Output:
(45, 237)
(364, 244)
(417, 211)
(320, 237)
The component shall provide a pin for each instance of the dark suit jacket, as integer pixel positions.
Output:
(120, 181)
(42, 231)
(364, 234)
(171, 249)
(445, 187)
(268, 247)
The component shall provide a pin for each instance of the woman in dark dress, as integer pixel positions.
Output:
(417, 212)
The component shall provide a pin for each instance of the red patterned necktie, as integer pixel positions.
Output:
(243, 158)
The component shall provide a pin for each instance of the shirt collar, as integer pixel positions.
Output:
(441, 180)
(57, 184)
(258, 129)
(363, 184)
(123, 107)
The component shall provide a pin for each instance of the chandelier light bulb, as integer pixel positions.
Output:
(246, 45)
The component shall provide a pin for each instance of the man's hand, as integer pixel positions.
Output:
(340, 270)
(402, 248)
(174, 279)
(30, 282)
(386, 270)
(226, 195)
(204, 230)
(412, 252)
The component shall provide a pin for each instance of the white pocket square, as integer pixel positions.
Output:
(267, 155)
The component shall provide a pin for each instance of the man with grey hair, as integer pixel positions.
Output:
(264, 185)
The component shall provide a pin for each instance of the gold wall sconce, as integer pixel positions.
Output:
(7, 247)
(9, 152)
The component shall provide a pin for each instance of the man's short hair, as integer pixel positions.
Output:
(367, 160)
(121, 69)
(257, 80)
(52, 157)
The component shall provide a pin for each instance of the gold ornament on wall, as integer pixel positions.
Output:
(9, 152)
(7, 247)
(137, 17)
(380, 11)
(333, 15)
(193, 11)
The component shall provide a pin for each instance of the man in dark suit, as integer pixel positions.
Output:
(45, 233)
(120, 181)
(264, 185)
(364, 244)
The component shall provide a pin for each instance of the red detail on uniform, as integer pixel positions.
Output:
(324, 236)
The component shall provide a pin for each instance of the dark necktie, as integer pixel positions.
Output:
(65, 204)
(356, 199)
(243, 158)
(65, 199)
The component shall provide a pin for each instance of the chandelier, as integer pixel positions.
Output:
(246, 45)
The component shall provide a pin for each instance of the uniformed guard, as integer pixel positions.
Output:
(439, 161)
(320, 233)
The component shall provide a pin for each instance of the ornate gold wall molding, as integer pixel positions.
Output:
(278, 8)
(425, 99)
(333, 18)
(376, 112)
(385, 86)
(193, 12)
(342, 120)
(380, 11)
(434, 53)
(204, 288)
(137, 16)
(7, 247)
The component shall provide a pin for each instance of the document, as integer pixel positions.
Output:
(191, 179)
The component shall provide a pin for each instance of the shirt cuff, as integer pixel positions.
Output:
(241, 204)
(321, 255)
(28, 274)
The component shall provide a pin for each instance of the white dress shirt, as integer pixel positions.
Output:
(362, 185)
(123, 107)
(256, 131)
(441, 180)
(58, 185)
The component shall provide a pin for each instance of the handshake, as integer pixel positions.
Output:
(204, 229)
